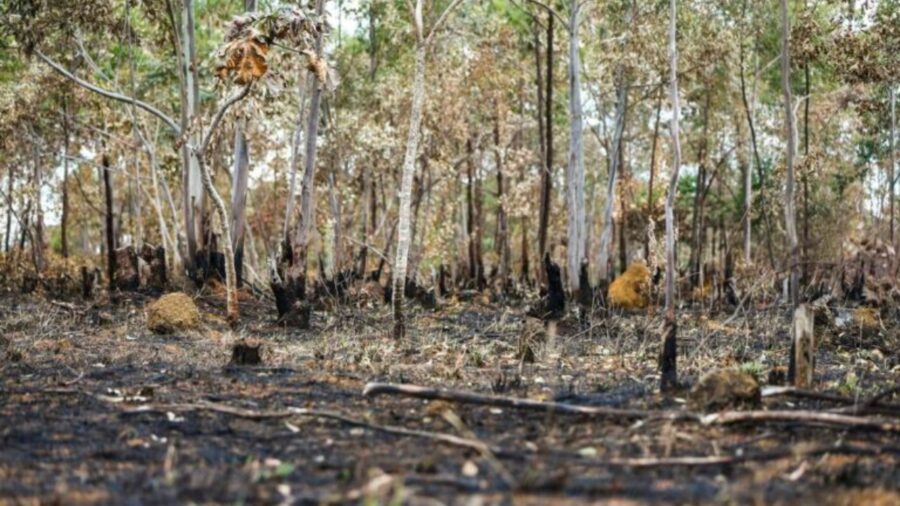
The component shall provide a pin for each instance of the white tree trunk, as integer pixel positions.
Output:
(192, 178)
(668, 369)
(575, 168)
(406, 183)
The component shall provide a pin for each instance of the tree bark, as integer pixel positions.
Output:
(668, 357)
(790, 217)
(110, 226)
(607, 235)
(239, 185)
(297, 276)
(547, 172)
(190, 105)
(409, 168)
(575, 167)
(502, 246)
(892, 172)
(64, 219)
(9, 208)
(805, 176)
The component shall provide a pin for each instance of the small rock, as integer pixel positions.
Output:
(725, 388)
(172, 312)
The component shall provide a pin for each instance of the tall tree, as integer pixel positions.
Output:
(575, 167)
(423, 41)
(668, 357)
(790, 215)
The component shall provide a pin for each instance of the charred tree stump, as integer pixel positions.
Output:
(292, 312)
(127, 273)
(585, 295)
(553, 303)
(88, 281)
(668, 357)
(246, 352)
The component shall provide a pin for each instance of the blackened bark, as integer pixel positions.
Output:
(110, 230)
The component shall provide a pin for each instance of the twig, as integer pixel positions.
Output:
(373, 389)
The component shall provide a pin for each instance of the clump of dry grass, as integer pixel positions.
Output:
(631, 289)
(173, 312)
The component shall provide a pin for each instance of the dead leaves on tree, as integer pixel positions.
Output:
(245, 60)
(250, 37)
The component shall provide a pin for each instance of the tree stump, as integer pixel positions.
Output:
(127, 269)
(246, 352)
(803, 348)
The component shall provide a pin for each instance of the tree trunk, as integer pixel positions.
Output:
(698, 218)
(502, 246)
(64, 219)
(239, 184)
(336, 218)
(805, 176)
(650, 199)
(790, 217)
(668, 357)
(9, 208)
(303, 93)
(297, 274)
(892, 172)
(37, 239)
(110, 226)
(575, 167)
(547, 172)
(607, 235)
(756, 158)
(473, 217)
(409, 168)
(190, 105)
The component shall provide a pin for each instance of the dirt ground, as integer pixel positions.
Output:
(95, 409)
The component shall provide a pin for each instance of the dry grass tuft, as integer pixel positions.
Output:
(631, 289)
(173, 312)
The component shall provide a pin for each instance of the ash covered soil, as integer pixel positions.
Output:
(96, 409)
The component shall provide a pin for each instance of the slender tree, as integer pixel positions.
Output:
(667, 363)
(790, 214)
(423, 41)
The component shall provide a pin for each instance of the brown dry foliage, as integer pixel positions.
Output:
(631, 289)
(245, 59)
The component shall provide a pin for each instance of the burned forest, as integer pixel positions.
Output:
(458, 252)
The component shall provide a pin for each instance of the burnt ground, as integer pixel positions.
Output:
(94, 409)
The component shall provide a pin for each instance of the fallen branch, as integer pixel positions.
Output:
(852, 406)
(634, 463)
(801, 417)
(373, 389)
(263, 415)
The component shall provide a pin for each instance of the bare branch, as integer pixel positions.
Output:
(563, 21)
(441, 19)
(110, 94)
(220, 114)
